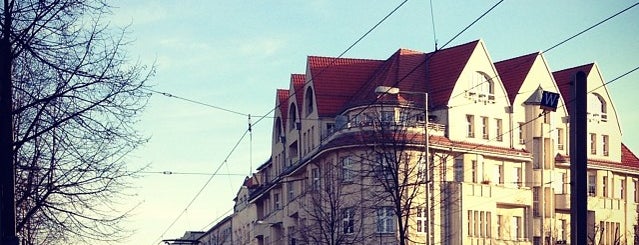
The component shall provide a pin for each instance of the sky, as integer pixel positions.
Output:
(235, 54)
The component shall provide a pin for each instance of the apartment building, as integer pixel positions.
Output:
(446, 147)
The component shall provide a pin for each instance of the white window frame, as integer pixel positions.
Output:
(485, 128)
(348, 220)
(420, 220)
(348, 173)
(315, 179)
(470, 126)
(385, 220)
(499, 129)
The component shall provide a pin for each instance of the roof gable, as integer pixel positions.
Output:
(282, 103)
(403, 70)
(336, 80)
(443, 69)
(628, 158)
(563, 79)
(513, 72)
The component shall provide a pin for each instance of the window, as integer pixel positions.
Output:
(517, 181)
(292, 117)
(592, 185)
(605, 141)
(388, 116)
(635, 186)
(348, 173)
(593, 144)
(560, 139)
(484, 127)
(561, 230)
(479, 223)
(520, 129)
(276, 201)
(597, 106)
(546, 115)
(604, 186)
(620, 190)
(459, 170)
(500, 228)
(482, 86)
(421, 169)
(470, 120)
(500, 173)
(309, 101)
(385, 165)
(385, 220)
(315, 178)
(474, 172)
(421, 220)
(290, 186)
(498, 125)
(516, 226)
(535, 207)
(348, 220)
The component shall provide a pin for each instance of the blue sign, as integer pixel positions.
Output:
(549, 101)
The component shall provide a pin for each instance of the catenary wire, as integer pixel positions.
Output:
(203, 187)
(264, 116)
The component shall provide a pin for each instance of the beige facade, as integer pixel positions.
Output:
(348, 162)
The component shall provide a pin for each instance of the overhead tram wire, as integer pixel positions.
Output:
(196, 102)
(335, 59)
(203, 187)
(261, 118)
(560, 43)
(428, 57)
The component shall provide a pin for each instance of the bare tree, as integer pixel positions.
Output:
(76, 98)
(330, 204)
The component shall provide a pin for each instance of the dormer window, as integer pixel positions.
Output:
(481, 87)
(597, 107)
(309, 101)
(292, 116)
(278, 129)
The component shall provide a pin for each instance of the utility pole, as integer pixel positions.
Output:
(7, 170)
(578, 161)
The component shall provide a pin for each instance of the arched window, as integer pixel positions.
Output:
(278, 129)
(309, 101)
(482, 85)
(292, 116)
(597, 104)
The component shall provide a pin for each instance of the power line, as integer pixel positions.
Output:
(196, 102)
(203, 187)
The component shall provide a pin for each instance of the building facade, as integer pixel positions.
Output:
(446, 147)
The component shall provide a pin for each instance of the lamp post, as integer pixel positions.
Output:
(395, 90)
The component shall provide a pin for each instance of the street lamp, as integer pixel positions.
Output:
(395, 90)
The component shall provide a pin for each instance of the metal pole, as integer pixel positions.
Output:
(7, 170)
(429, 171)
(578, 161)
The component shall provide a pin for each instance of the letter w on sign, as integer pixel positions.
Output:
(549, 101)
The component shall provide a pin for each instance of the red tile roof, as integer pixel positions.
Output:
(298, 81)
(282, 99)
(408, 70)
(404, 70)
(628, 158)
(513, 72)
(443, 68)
(336, 80)
(563, 79)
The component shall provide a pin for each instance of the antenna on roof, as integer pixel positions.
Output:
(432, 17)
